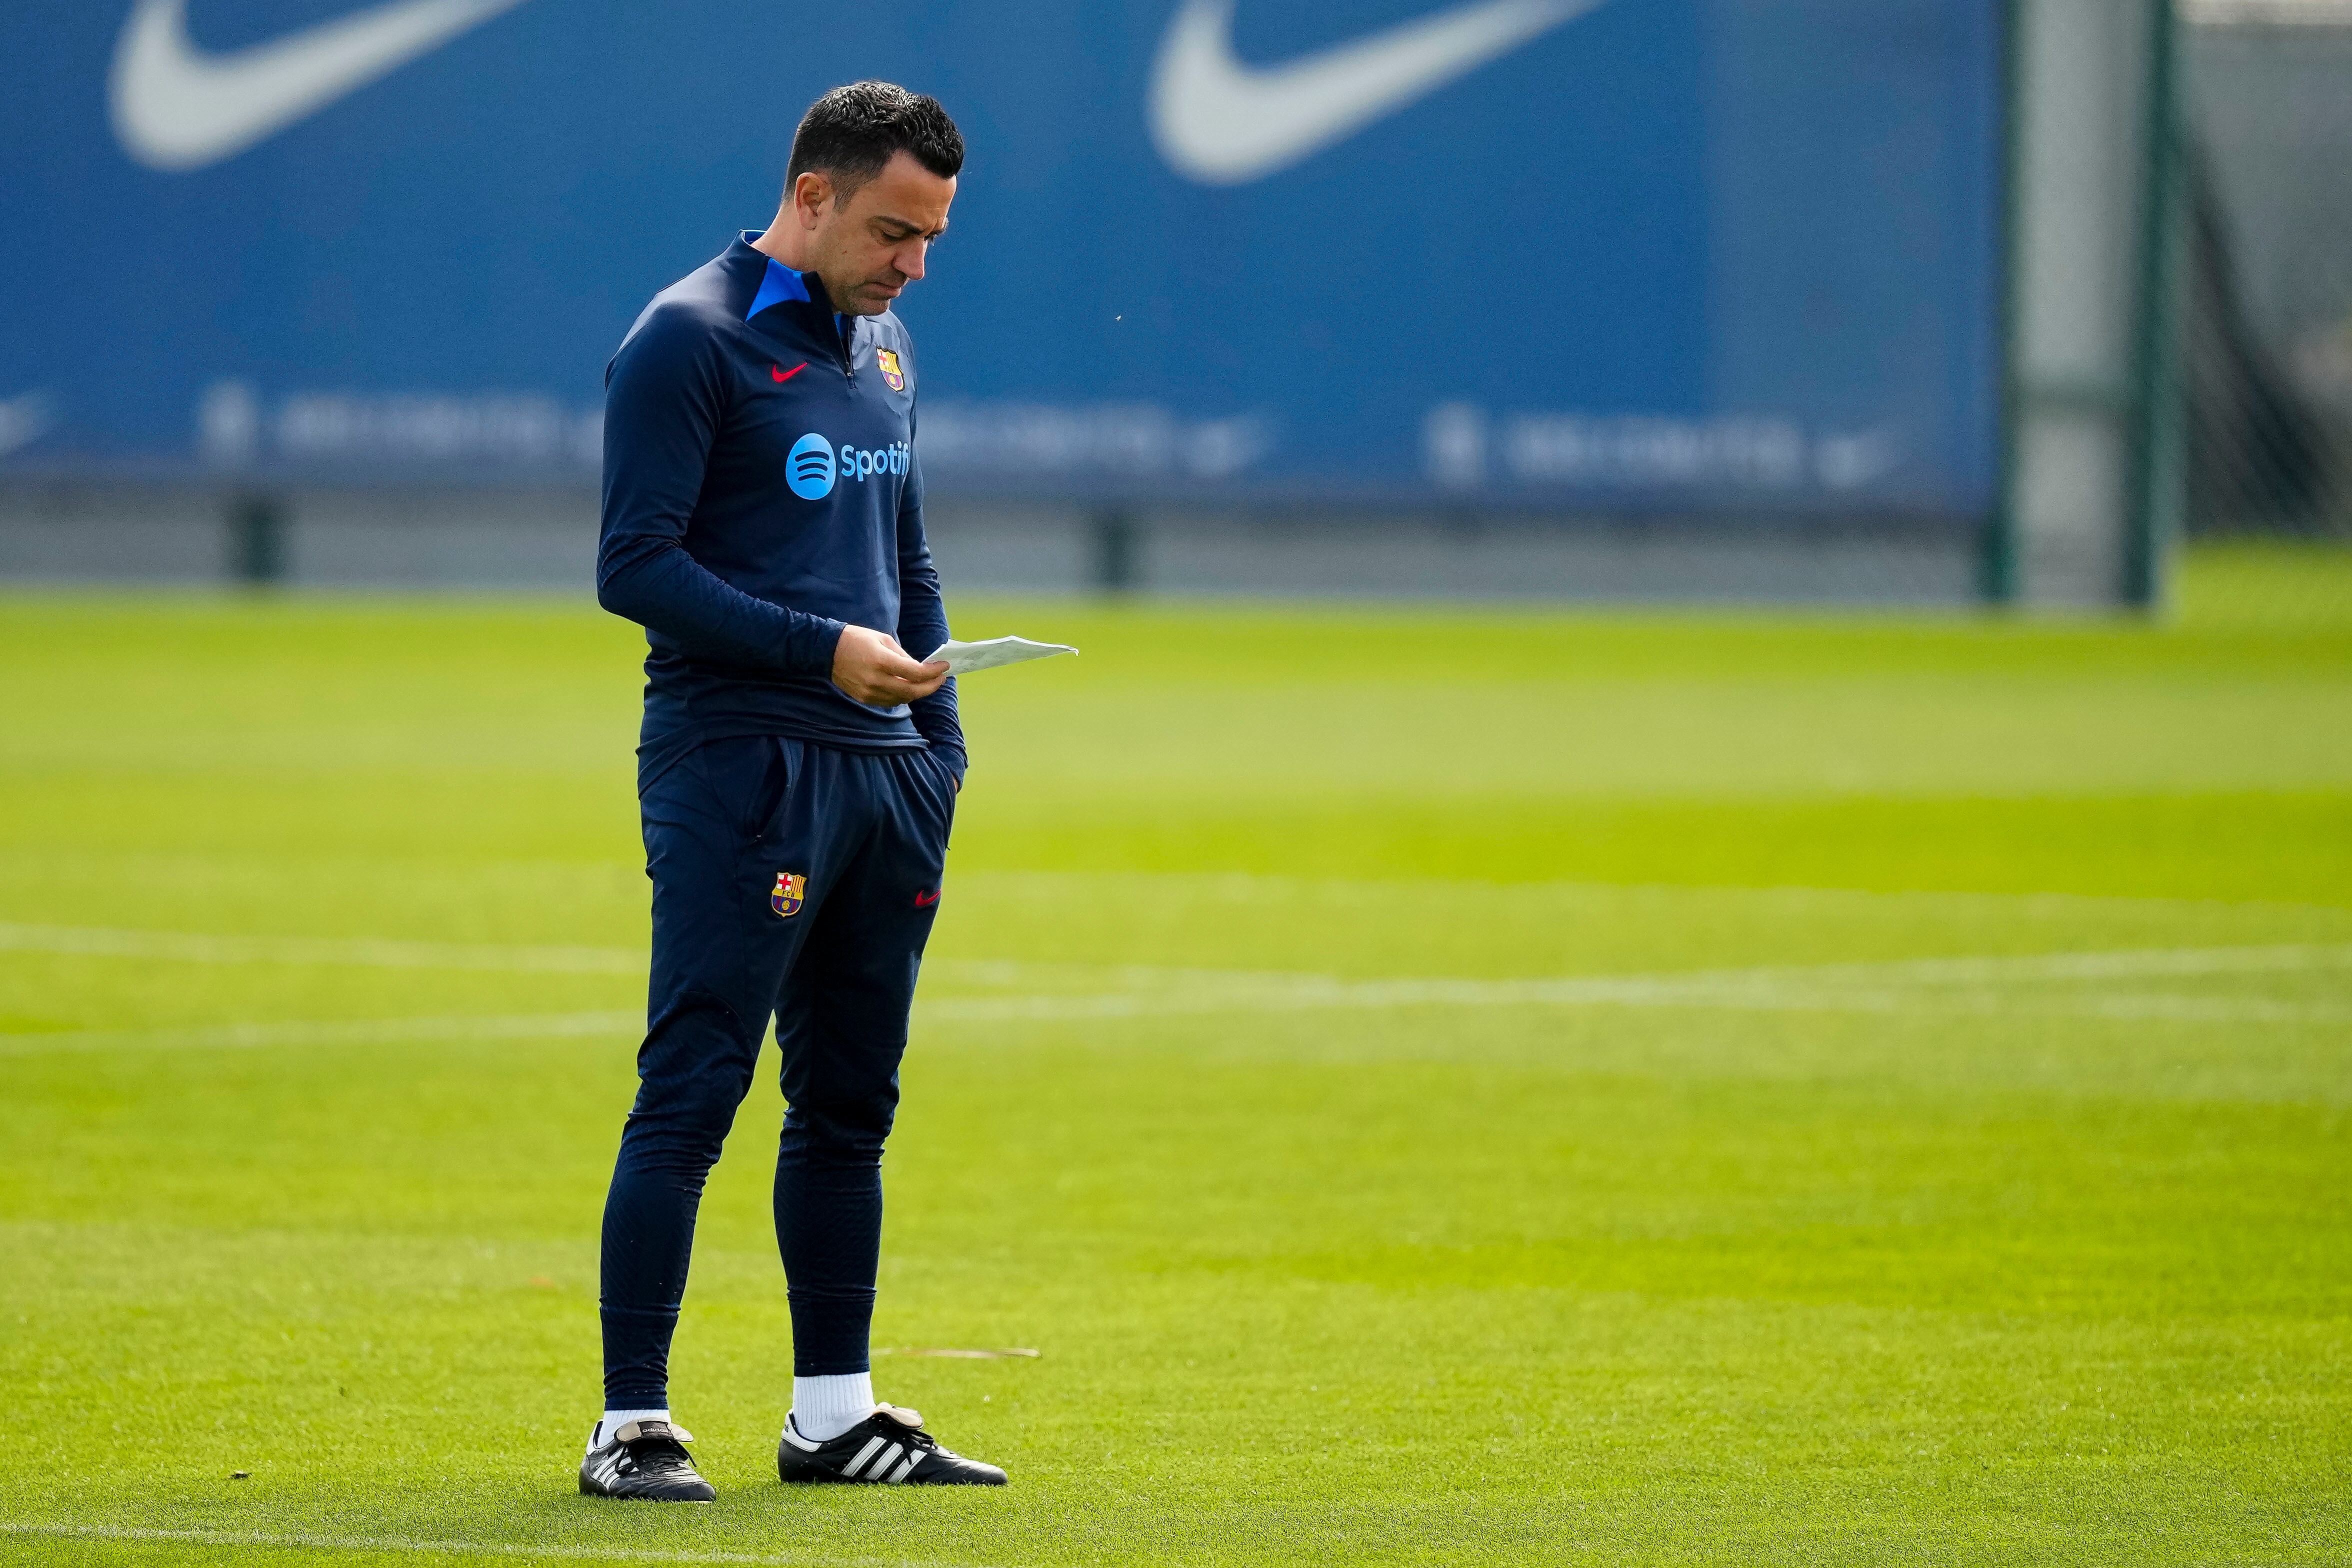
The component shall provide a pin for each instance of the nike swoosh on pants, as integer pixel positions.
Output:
(1221, 123)
(177, 107)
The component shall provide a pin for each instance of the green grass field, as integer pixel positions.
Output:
(1482, 1087)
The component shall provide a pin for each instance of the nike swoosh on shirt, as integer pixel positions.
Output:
(1221, 123)
(176, 107)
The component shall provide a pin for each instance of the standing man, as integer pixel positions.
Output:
(797, 771)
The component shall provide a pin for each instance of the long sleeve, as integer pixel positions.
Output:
(923, 622)
(663, 401)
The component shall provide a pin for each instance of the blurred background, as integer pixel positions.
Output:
(1897, 300)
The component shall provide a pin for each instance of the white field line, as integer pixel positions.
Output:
(1898, 986)
(2131, 963)
(353, 1032)
(1111, 1008)
(303, 1539)
(1249, 886)
(366, 952)
(375, 952)
(1382, 996)
(1085, 991)
(1116, 988)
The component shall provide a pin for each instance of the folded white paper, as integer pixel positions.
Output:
(963, 658)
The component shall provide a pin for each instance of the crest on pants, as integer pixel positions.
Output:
(791, 889)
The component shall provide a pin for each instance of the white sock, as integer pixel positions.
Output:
(613, 1420)
(826, 1407)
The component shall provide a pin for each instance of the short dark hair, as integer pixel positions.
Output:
(851, 132)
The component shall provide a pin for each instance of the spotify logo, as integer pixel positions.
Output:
(812, 466)
(809, 468)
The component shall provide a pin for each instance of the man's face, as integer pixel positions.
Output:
(868, 249)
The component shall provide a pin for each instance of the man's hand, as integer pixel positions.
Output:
(871, 667)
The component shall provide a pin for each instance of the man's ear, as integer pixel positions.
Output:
(811, 192)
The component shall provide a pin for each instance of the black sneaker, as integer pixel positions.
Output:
(888, 1447)
(644, 1459)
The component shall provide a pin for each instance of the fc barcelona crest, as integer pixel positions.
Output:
(892, 376)
(791, 889)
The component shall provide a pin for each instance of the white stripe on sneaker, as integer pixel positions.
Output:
(850, 1469)
(908, 1467)
(888, 1457)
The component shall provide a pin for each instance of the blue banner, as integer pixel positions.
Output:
(1650, 255)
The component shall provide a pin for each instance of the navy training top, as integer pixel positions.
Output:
(760, 491)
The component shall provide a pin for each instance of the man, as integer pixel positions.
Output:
(797, 771)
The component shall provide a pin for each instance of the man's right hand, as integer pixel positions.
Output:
(871, 667)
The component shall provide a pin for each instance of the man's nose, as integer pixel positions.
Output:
(910, 259)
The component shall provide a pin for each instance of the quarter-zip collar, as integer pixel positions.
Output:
(782, 285)
(778, 284)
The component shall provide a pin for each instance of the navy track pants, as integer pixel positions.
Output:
(799, 881)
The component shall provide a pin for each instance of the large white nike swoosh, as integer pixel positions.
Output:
(22, 421)
(1221, 123)
(177, 107)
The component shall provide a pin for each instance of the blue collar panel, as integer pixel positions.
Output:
(779, 284)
